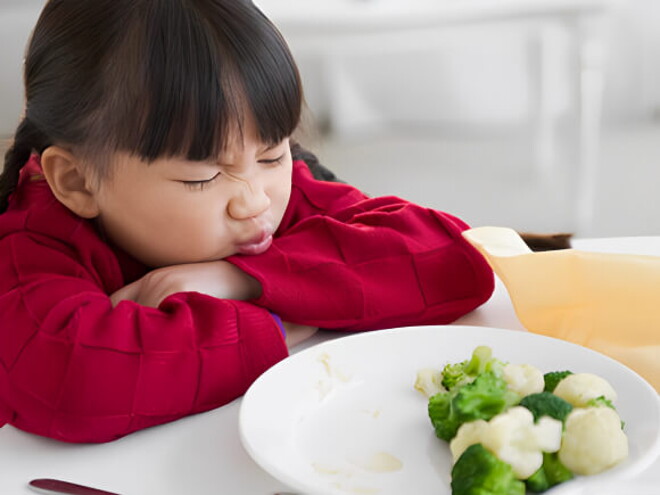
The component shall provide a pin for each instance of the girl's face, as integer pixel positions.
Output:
(175, 211)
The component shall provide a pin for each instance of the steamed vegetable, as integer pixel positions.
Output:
(552, 378)
(513, 437)
(523, 379)
(580, 388)
(479, 472)
(593, 440)
(600, 402)
(485, 397)
(458, 374)
(510, 427)
(551, 473)
(429, 382)
(546, 404)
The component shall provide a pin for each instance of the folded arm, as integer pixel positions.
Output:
(342, 260)
(75, 368)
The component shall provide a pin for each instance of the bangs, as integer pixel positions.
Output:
(186, 78)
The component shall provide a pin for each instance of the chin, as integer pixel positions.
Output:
(171, 259)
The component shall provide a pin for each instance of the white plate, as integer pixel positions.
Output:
(339, 417)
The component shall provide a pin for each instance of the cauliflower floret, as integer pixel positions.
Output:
(468, 434)
(513, 437)
(593, 440)
(524, 379)
(579, 388)
(429, 382)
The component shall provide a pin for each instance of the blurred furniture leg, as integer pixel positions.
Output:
(589, 57)
(543, 115)
(348, 111)
(586, 59)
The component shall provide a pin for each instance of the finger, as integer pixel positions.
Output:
(129, 292)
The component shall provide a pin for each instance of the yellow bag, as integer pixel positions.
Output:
(608, 302)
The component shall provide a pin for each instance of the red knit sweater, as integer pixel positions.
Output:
(74, 368)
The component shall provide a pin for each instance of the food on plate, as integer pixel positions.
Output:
(483, 398)
(580, 388)
(593, 440)
(552, 473)
(479, 470)
(552, 378)
(429, 382)
(524, 379)
(509, 426)
(456, 374)
(547, 404)
(513, 437)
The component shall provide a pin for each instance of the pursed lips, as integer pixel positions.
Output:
(258, 244)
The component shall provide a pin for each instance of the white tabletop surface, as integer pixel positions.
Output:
(203, 455)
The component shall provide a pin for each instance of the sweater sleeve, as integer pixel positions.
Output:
(345, 261)
(74, 368)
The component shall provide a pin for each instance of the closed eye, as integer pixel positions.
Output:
(199, 184)
(273, 161)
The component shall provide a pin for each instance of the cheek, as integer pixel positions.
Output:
(155, 226)
(190, 216)
(168, 236)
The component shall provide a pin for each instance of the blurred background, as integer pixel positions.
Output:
(541, 115)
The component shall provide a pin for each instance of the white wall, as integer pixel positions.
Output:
(479, 74)
(633, 83)
(453, 81)
(17, 17)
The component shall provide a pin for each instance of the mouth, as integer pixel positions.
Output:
(258, 244)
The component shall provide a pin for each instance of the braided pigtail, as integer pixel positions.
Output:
(319, 172)
(26, 140)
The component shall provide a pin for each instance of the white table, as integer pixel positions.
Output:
(333, 31)
(202, 455)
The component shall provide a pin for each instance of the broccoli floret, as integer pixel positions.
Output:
(484, 398)
(555, 471)
(600, 401)
(538, 482)
(453, 375)
(546, 404)
(482, 360)
(478, 472)
(444, 421)
(552, 378)
(551, 473)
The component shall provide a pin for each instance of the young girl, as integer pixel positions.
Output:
(156, 227)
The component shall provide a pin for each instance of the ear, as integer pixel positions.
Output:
(66, 177)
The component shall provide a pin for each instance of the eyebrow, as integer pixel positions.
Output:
(218, 161)
(193, 165)
(271, 146)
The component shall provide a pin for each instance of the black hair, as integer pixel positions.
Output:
(154, 78)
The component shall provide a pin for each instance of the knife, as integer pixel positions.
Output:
(47, 485)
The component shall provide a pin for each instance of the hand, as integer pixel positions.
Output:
(296, 333)
(219, 279)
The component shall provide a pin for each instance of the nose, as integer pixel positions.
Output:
(249, 200)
